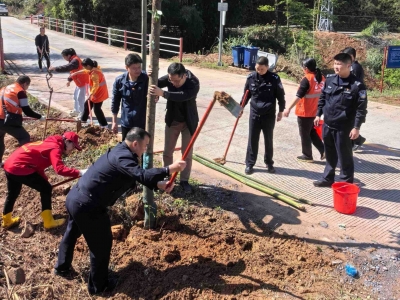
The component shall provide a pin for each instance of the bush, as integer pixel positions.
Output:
(263, 36)
(392, 78)
(373, 61)
(376, 28)
(374, 65)
(231, 41)
(303, 47)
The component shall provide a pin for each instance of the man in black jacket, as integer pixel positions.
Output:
(343, 102)
(101, 185)
(264, 89)
(42, 48)
(181, 117)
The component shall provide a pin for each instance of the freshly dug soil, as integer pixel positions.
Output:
(203, 248)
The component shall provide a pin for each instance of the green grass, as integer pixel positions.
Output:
(385, 93)
(187, 61)
(210, 65)
(286, 76)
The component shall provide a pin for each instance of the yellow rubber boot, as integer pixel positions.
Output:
(9, 221)
(48, 221)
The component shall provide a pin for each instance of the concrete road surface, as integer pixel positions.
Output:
(377, 164)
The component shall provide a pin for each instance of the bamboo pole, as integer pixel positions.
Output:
(243, 179)
(302, 200)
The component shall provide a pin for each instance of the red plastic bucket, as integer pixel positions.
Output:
(345, 197)
(318, 128)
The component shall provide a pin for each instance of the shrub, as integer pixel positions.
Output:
(373, 61)
(374, 65)
(392, 78)
(376, 28)
(231, 41)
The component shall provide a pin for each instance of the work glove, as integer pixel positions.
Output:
(82, 172)
(42, 118)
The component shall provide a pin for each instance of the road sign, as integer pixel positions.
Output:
(222, 6)
(393, 57)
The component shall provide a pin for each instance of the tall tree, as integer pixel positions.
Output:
(150, 206)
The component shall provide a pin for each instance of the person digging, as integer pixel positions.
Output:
(105, 181)
(26, 165)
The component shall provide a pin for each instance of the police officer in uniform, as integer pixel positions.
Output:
(265, 88)
(103, 183)
(343, 103)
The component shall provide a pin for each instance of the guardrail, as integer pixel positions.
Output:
(107, 35)
(1, 50)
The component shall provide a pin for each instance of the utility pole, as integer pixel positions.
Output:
(150, 207)
(144, 34)
(222, 8)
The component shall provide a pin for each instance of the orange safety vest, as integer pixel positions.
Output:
(308, 105)
(11, 100)
(102, 92)
(80, 79)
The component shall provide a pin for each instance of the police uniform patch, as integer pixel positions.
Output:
(280, 85)
(362, 94)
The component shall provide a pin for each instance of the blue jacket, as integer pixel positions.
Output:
(113, 174)
(134, 101)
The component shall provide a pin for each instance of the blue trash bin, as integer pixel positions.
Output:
(250, 57)
(238, 55)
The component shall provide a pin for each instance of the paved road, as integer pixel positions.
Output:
(377, 165)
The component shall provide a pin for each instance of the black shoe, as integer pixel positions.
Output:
(322, 183)
(187, 188)
(112, 283)
(304, 158)
(69, 273)
(249, 170)
(271, 169)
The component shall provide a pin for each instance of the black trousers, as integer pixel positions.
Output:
(97, 111)
(309, 136)
(258, 123)
(18, 132)
(94, 223)
(34, 181)
(124, 132)
(338, 147)
(40, 58)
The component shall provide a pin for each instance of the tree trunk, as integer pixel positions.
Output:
(276, 18)
(150, 206)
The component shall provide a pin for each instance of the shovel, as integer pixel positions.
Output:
(223, 98)
(222, 160)
(64, 181)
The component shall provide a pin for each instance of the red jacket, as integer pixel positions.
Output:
(37, 156)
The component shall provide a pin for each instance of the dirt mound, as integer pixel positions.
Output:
(328, 44)
(208, 255)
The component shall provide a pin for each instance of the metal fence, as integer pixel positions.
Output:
(1, 50)
(107, 35)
